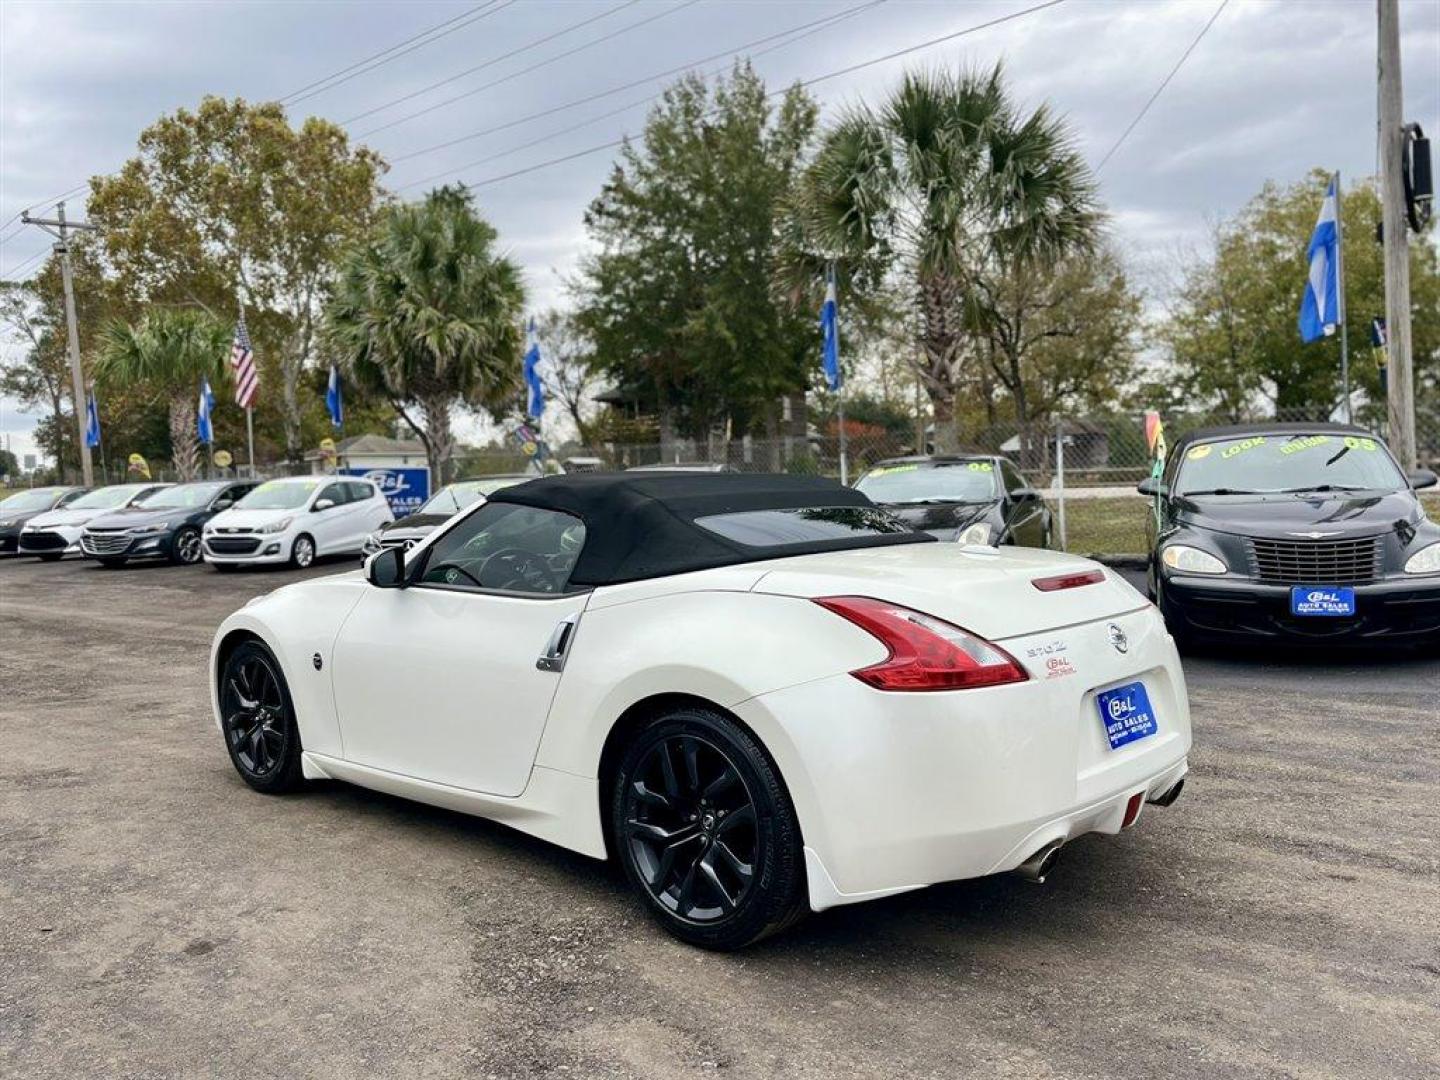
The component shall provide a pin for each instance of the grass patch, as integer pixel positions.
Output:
(1116, 526)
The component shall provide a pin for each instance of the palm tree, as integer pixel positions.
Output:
(944, 182)
(427, 314)
(169, 350)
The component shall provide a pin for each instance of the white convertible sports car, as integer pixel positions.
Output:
(762, 694)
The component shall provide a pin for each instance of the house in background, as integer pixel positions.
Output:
(367, 452)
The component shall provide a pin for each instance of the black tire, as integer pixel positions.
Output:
(684, 846)
(111, 564)
(52, 556)
(302, 551)
(185, 548)
(258, 720)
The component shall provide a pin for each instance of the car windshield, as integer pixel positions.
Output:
(108, 498)
(34, 499)
(455, 497)
(1287, 463)
(280, 495)
(957, 481)
(182, 496)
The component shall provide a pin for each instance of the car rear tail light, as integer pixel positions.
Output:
(1068, 581)
(926, 653)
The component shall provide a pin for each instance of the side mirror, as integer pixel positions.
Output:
(1423, 478)
(322, 504)
(386, 569)
(1151, 486)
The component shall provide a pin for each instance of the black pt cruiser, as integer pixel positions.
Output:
(1292, 532)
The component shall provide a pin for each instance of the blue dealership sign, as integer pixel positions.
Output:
(405, 489)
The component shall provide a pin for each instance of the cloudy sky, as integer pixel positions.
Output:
(1276, 87)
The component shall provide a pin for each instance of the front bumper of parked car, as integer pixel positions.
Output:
(50, 540)
(124, 544)
(1398, 608)
(247, 549)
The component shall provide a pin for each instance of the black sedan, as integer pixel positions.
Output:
(972, 498)
(19, 508)
(165, 526)
(1292, 532)
(408, 531)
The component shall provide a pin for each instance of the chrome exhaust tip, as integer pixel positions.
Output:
(1166, 798)
(1041, 863)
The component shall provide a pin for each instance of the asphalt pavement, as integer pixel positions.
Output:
(159, 919)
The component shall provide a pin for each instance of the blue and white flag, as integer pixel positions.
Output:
(202, 413)
(830, 334)
(1320, 306)
(92, 422)
(535, 395)
(333, 401)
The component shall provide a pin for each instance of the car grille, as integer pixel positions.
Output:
(232, 545)
(1315, 562)
(42, 541)
(104, 543)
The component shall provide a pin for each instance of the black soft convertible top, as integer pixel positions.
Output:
(642, 525)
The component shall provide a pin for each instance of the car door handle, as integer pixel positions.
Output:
(557, 648)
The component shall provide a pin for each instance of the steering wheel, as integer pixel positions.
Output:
(525, 569)
(448, 566)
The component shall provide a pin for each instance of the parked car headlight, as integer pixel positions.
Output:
(276, 526)
(371, 545)
(979, 533)
(146, 530)
(1424, 561)
(1190, 560)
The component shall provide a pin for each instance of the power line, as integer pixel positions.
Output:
(525, 71)
(833, 21)
(625, 86)
(1161, 88)
(394, 52)
(808, 82)
(14, 271)
(497, 59)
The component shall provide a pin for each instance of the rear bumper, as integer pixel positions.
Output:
(1390, 611)
(898, 791)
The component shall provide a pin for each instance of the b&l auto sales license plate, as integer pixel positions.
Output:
(1126, 713)
(1320, 600)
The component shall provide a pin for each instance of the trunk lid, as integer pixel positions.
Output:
(984, 590)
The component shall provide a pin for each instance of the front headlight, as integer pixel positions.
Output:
(979, 533)
(1190, 560)
(276, 526)
(1424, 561)
(147, 530)
(371, 545)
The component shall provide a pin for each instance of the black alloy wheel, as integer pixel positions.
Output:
(185, 546)
(258, 719)
(706, 832)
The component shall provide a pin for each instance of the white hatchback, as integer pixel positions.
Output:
(294, 520)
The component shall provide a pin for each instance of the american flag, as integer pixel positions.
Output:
(242, 362)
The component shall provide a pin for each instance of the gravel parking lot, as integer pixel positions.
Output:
(157, 918)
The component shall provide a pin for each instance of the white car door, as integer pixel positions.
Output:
(450, 679)
(329, 526)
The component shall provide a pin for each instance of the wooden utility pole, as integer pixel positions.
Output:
(59, 228)
(1397, 236)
